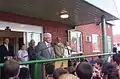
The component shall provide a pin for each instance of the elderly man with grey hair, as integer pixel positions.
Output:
(44, 50)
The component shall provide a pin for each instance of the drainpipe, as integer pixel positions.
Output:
(104, 35)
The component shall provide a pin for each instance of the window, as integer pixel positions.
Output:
(109, 44)
(75, 39)
(34, 36)
(95, 43)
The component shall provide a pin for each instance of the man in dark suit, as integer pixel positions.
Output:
(6, 53)
(44, 51)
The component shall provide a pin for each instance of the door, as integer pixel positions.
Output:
(28, 36)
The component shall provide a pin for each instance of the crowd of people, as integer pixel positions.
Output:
(77, 69)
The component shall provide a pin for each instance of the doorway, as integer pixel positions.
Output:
(20, 34)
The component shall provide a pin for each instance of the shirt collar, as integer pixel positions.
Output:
(5, 44)
(46, 43)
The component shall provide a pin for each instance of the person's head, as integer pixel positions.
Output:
(49, 69)
(11, 68)
(67, 44)
(32, 43)
(59, 72)
(99, 57)
(47, 37)
(24, 73)
(6, 41)
(84, 70)
(116, 58)
(110, 71)
(23, 47)
(71, 70)
(68, 76)
(59, 39)
(98, 63)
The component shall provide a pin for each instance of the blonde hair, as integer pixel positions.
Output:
(68, 76)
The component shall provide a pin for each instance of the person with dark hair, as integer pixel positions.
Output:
(71, 70)
(6, 53)
(84, 70)
(49, 70)
(24, 73)
(11, 69)
(59, 48)
(116, 61)
(22, 56)
(114, 49)
(31, 50)
(116, 58)
(97, 69)
(59, 72)
(110, 71)
(32, 56)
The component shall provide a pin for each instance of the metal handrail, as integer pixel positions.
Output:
(60, 59)
(36, 62)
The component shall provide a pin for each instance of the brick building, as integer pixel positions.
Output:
(59, 29)
(88, 32)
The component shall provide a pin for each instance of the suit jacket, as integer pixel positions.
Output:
(59, 50)
(31, 53)
(44, 52)
(4, 52)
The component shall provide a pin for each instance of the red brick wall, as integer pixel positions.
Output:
(55, 28)
(58, 29)
(88, 30)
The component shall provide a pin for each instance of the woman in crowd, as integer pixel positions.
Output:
(22, 56)
(32, 56)
(31, 50)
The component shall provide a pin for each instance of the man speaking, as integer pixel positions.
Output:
(44, 51)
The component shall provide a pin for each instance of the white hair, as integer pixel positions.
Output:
(45, 35)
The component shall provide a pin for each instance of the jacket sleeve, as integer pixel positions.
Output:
(32, 54)
(57, 51)
(38, 53)
(39, 57)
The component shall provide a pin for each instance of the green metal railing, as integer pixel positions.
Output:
(36, 62)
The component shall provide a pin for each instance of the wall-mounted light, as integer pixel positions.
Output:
(64, 14)
(7, 28)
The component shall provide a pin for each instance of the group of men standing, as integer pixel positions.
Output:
(47, 50)
(44, 50)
